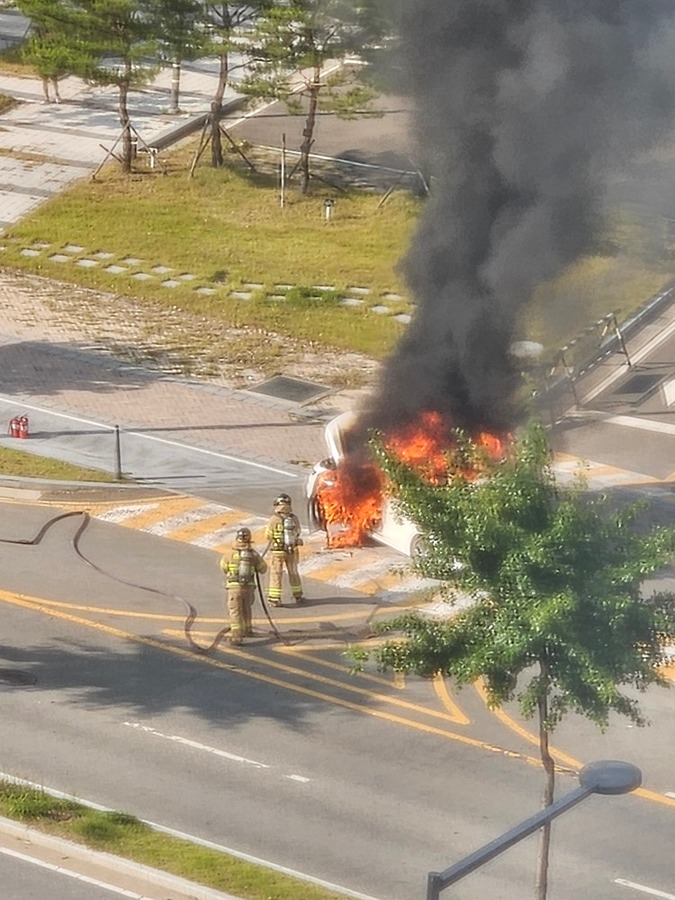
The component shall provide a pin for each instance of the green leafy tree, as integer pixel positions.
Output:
(291, 48)
(107, 42)
(558, 620)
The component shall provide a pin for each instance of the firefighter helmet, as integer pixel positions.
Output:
(282, 500)
(243, 536)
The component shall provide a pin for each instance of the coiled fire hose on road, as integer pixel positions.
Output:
(189, 608)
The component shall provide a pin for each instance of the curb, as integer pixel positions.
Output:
(208, 893)
(145, 875)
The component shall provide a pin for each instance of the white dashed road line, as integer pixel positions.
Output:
(643, 889)
(195, 745)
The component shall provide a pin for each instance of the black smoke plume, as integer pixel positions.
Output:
(524, 110)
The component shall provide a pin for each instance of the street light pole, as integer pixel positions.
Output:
(604, 777)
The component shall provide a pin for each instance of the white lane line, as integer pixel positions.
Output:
(195, 745)
(219, 848)
(643, 889)
(641, 424)
(670, 794)
(152, 437)
(76, 875)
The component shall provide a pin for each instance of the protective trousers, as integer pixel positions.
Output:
(279, 560)
(240, 599)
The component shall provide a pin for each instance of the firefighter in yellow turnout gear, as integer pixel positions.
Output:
(240, 569)
(283, 535)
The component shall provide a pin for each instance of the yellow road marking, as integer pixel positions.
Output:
(510, 723)
(204, 526)
(441, 688)
(169, 617)
(328, 664)
(156, 512)
(668, 671)
(35, 605)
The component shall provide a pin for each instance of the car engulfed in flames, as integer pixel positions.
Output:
(351, 503)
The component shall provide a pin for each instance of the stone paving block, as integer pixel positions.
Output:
(132, 260)
(86, 263)
(359, 291)
(29, 251)
(253, 286)
(103, 254)
(404, 318)
(73, 248)
(241, 295)
(59, 257)
(116, 270)
(170, 283)
(205, 291)
(352, 301)
(187, 276)
(162, 270)
(276, 297)
(392, 298)
(324, 287)
(41, 245)
(142, 276)
(380, 310)
(283, 287)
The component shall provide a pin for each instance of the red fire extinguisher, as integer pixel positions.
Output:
(14, 427)
(23, 426)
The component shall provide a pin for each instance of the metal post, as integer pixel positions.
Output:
(175, 85)
(607, 777)
(118, 455)
(622, 342)
(282, 174)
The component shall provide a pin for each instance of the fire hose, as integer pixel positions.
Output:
(189, 608)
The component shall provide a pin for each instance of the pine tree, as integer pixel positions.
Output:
(293, 45)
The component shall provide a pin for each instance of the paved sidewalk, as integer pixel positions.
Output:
(45, 147)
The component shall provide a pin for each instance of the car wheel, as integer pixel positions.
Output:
(315, 515)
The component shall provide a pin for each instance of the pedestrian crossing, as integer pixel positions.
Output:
(375, 570)
(598, 476)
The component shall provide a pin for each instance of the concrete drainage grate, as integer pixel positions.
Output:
(294, 390)
(639, 384)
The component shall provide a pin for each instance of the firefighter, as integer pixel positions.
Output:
(240, 570)
(283, 535)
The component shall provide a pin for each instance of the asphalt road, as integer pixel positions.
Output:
(276, 750)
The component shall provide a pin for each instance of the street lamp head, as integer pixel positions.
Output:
(610, 776)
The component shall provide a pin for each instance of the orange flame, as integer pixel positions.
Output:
(350, 497)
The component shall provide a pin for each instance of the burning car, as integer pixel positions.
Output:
(347, 493)
(348, 510)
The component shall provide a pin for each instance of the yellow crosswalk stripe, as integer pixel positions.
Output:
(228, 518)
(157, 512)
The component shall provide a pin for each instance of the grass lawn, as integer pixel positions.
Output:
(27, 465)
(226, 228)
(123, 835)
